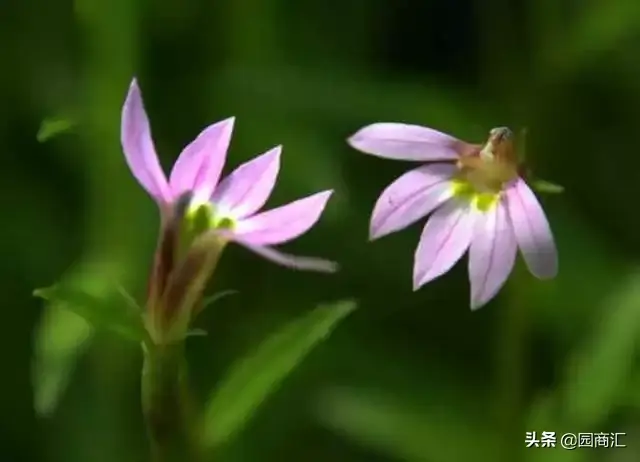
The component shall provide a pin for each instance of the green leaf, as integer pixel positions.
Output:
(253, 378)
(62, 336)
(197, 333)
(405, 430)
(598, 374)
(546, 187)
(60, 339)
(215, 298)
(200, 307)
(54, 126)
(109, 312)
(128, 299)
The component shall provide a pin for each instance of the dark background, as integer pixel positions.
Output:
(409, 376)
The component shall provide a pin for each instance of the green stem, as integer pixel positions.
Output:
(165, 405)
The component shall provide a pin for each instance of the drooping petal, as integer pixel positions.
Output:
(284, 223)
(532, 231)
(248, 187)
(491, 255)
(292, 261)
(407, 142)
(200, 164)
(445, 238)
(410, 198)
(137, 144)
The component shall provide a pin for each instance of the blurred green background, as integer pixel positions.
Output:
(409, 376)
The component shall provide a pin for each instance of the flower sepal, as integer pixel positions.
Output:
(537, 184)
(180, 254)
(169, 319)
(545, 187)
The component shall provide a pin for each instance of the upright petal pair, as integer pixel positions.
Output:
(198, 167)
(236, 200)
(478, 200)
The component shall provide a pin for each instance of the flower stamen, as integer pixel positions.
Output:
(490, 168)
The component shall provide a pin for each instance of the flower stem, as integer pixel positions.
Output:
(164, 403)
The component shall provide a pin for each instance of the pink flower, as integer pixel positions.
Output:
(233, 204)
(478, 200)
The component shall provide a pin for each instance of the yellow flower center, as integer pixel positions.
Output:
(482, 201)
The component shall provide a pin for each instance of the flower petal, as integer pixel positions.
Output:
(200, 164)
(283, 223)
(292, 261)
(491, 255)
(445, 237)
(410, 198)
(407, 142)
(137, 144)
(532, 231)
(248, 187)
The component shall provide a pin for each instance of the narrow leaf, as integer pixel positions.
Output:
(215, 298)
(101, 312)
(600, 372)
(547, 187)
(60, 338)
(54, 126)
(129, 299)
(256, 376)
(197, 333)
(406, 430)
